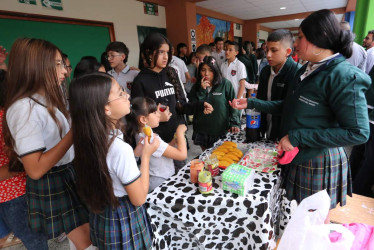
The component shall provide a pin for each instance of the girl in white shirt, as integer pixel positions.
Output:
(108, 178)
(144, 111)
(37, 133)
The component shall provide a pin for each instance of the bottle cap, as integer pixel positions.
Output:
(253, 94)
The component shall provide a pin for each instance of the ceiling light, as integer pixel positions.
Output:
(283, 8)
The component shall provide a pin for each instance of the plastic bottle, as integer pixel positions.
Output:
(253, 119)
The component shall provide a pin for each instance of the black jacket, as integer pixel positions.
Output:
(158, 87)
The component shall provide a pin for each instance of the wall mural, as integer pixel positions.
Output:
(209, 28)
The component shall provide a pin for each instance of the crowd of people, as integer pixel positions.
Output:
(77, 160)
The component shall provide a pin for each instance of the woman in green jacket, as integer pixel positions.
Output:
(324, 110)
(217, 91)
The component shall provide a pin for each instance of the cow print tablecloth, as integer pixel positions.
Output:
(182, 218)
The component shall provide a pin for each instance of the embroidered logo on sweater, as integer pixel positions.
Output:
(233, 72)
(308, 101)
(168, 84)
(215, 93)
(279, 84)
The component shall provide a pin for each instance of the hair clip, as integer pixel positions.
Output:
(213, 61)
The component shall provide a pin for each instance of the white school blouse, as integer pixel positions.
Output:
(33, 128)
(121, 164)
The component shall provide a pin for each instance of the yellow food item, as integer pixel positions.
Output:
(237, 151)
(148, 132)
(224, 163)
(225, 150)
(236, 154)
(232, 144)
(217, 152)
(232, 157)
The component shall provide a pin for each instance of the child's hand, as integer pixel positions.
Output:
(139, 148)
(181, 129)
(164, 115)
(150, 148)
(205, 83)
(208, 108)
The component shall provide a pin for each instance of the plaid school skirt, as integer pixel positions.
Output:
(330, 171)
(53, 203)
(125, 227)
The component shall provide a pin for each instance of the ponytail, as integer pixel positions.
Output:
(131, 128)
(345, 43)
(174, 79)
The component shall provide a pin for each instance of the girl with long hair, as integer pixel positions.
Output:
(108, 178)
(144, 113)
(324, 110)
(218, 91)
(36, 131)
(13, 205)
(160, 82)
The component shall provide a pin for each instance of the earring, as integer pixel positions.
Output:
(108, 113)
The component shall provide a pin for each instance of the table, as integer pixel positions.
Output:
(182, 218)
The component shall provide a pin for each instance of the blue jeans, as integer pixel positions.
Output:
(4, 230)
(14, 214)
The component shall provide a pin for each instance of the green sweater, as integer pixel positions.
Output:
(327, 109)
(279, 89)
(251, 73)
(223, 117)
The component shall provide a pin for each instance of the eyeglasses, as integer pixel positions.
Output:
(122, 94)
(111, 56)
(60, 64)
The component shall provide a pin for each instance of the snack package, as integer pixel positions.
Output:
(237, 179)
(261, 159)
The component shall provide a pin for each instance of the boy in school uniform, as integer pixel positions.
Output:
(219, 54)
(234, 70)
(276, 77)
(117, 54)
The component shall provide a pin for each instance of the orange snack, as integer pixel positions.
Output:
(148, 132)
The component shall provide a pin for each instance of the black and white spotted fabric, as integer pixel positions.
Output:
(182, 218)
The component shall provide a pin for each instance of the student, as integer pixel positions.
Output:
(249, 47)
(275, 78)
(324, 110)
(234, 70)
(37, 132)
(216, 90)
(251, 74)
(182, 52)
(160, 82)
(219, 53)
(161, 167)
(13, 204)
(212, 47)
(87, 65)
(108, 178)
(181, 68)
(193, 63)
(202, 51)
(117, 55)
